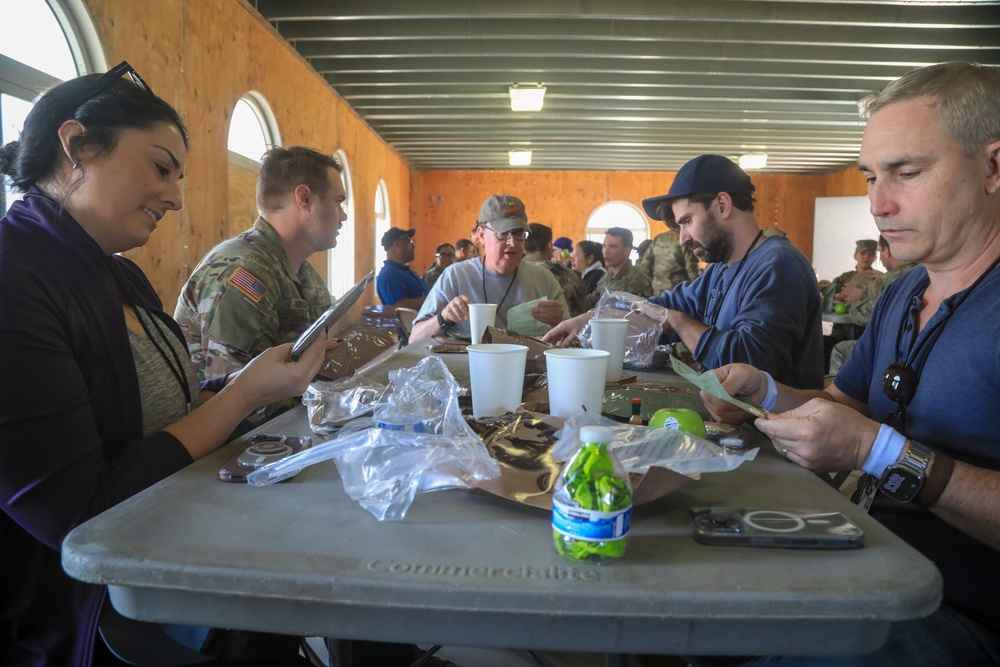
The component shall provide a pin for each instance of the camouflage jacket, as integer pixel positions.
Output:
(432, 274)
(629, 279)
(861, 310)
(667, 263)
(572, 284)
(243, 298)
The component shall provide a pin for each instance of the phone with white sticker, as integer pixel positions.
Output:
(773, 527)
(261, 449)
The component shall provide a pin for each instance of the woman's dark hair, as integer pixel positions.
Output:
(104, 111)
(591, 249)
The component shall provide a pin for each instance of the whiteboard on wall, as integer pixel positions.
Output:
(839, 223)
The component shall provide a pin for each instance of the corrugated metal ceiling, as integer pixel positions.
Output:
(632, 85)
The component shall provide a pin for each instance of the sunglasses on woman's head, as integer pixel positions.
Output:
(106, 80)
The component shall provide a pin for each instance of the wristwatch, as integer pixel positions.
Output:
(903, 479)
(443, 323)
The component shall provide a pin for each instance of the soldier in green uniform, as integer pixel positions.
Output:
(538, 249)
(667, 263)
(861, 310)
(848, 288)
(621, 276)
(257, 290)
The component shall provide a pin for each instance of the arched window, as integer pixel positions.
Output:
(41, 44)
(340, 260)
(252, 129)
(618, 214)
(382, 221)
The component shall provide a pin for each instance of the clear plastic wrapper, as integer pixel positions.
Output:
(374, 333)
(643, 330)
(640, 448)
(330, 404)
(383, 468)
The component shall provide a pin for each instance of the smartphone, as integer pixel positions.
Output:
(330, 316)
(771, 527)
(261, 450)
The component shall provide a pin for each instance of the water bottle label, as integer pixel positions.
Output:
(590, 525)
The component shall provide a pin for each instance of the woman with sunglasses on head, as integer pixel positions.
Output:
(99, 399)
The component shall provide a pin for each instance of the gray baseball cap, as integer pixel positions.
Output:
(503, 213)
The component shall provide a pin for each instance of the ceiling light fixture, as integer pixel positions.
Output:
(753, 161)
(519, 157)
(527, 97)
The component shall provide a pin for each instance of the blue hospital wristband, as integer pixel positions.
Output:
(885, 450)
(772, 393)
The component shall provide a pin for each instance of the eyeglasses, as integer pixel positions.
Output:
(899, 384)
(516, 234)
(107, 79)
(445, 254)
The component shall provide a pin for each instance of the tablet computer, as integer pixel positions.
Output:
(331, 315)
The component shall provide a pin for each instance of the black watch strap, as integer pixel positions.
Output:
(443, 323)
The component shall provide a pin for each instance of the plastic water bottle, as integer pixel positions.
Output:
(592, 502)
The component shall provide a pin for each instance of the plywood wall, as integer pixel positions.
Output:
(445, 204)
(202, 56)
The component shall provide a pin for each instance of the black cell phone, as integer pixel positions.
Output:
(773, 527)
(330, 316)
(261, 450)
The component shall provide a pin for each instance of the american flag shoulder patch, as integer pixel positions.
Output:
(247, 283)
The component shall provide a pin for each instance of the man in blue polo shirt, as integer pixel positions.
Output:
(397, 284)
(915, 404)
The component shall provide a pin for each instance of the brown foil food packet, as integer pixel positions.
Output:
(522, 443)
(535, 362)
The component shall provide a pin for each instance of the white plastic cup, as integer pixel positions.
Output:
(576, 380)
(497, 374)
(481, 315)
(608, 334)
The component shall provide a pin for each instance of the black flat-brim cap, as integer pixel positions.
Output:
(705, 173)
(393, 235)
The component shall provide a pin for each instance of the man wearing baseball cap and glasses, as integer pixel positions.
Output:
(498, 277)
(757, 302)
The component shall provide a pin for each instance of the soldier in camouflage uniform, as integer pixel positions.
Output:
(538, 249)
(848, 288)
(257, 290)
(861, 310)
(621, 276)
(666, 262)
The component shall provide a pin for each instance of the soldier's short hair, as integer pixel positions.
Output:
(539, 236)
(622, 233)
(284, 169)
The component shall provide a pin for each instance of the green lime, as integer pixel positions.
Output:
(840, 308)
(678, 419)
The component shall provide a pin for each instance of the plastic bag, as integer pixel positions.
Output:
(332, 403)
(640, 448)
(643, 331)
(383, 468)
